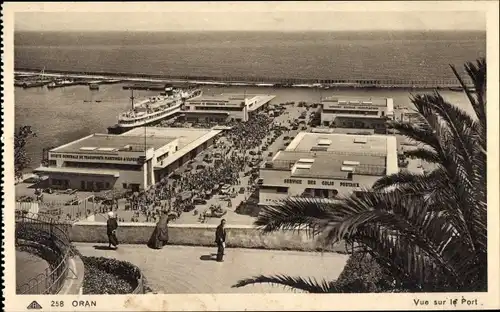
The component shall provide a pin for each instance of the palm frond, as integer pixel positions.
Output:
(463, 129)
(400, 219)
(420, 133)
(424, 154)
(477, 73)
(294, 214)
(428, 231)
(396, 179)
(309, 285)
(408, 183)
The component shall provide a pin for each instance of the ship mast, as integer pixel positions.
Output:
(132, 98)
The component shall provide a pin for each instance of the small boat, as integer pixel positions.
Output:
(460, 89)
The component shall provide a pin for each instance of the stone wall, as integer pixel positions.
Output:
(200, 235)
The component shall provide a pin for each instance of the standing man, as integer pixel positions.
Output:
(220, 240)
(112, 225)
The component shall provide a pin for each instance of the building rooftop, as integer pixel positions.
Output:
(112, 144)
(339, 142)
(354, 102)
(189, 139)
(327, 164)
(185, 135)
(234, 99)
(336, 155)
(261, 100)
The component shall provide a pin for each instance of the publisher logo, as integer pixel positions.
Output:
(34, 306)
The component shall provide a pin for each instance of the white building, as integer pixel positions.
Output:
(357, 112)
(134, 160)
(224, 107)
(326, 166)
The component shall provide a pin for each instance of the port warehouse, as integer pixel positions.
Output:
(134, 160)
(431, 83)
(237, 107)
(357, 112)
(326, 166)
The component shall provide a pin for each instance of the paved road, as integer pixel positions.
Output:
(182, 269)
(28, 267)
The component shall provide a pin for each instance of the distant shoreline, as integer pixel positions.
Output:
(250, 81)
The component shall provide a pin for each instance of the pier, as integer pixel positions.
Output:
(52, 81)
(256, 81)
(145, 86)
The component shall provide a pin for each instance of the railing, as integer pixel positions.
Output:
(58, 210)
(50, 236)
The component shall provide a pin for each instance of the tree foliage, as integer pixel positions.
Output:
(427, 232)
(21, 159)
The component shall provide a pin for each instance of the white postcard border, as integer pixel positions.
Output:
(227, 302)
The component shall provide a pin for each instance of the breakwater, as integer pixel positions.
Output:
(257, 81)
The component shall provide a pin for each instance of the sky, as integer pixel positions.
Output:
(266, 18)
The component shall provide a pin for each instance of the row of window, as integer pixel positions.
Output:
(351, 112)
(60, 182)
(132, 186)
(94, 185)
(321, 193)
(162, 157)
(238, 109)
(275, 188)
(355, 124)
(148, 117)
(129, 167)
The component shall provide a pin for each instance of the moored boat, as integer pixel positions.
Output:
(153, 109)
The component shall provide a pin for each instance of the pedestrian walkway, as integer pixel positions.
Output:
(183, 269)
(30, 270)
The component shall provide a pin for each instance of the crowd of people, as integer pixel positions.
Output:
(230, 157)
(248, 135)
(230, 160)
(233, 154)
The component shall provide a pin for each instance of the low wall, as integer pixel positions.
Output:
(200, 235)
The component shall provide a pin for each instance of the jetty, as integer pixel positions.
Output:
(153, 82)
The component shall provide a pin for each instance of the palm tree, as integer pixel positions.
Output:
(426, 231)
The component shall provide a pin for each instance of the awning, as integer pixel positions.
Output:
(69, 170)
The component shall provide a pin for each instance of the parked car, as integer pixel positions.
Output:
(199, 201)
(72, 202)
(175, 176)
(188, 208)
(33, 179)
(225, 189)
